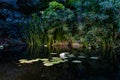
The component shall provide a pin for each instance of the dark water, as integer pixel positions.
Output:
(107, 67)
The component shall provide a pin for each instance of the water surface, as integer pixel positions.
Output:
(97, 65)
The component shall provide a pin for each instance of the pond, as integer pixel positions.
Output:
(48, 64)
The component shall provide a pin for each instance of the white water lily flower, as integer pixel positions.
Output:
(63, 55)
(45, 45)
(1, 47)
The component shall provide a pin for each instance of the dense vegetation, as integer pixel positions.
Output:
(92, 22)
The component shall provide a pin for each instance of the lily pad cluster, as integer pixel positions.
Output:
(46, 62)
(63, 57)
(25, 61)
(53, 61)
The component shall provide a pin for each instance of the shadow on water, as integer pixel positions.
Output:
(95, 65)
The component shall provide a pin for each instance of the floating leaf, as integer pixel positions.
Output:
(28, 61)
(71, 56)
(44, 59)
(76, 61)
(54, 60)
(48, 64)
(94, 58)
(81, 56)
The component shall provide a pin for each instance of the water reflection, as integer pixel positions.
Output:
(94, 65)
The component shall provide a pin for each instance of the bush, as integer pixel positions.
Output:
(91, 21)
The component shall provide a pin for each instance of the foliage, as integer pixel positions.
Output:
(91, 22)
(98, 14)
(57, 20)
(34, 32)
(56, 5)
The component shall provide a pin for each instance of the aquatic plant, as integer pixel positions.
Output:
(31, 32)
(46, 62)
(58, 28)
(91, 22)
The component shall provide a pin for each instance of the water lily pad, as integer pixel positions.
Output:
(48, 64)
(54, 60)
(28, 61)
(82, 57)
(76, 61)
(65, 60)
(71, 56)
(95, 58)
(44, 59)
(22, 60)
